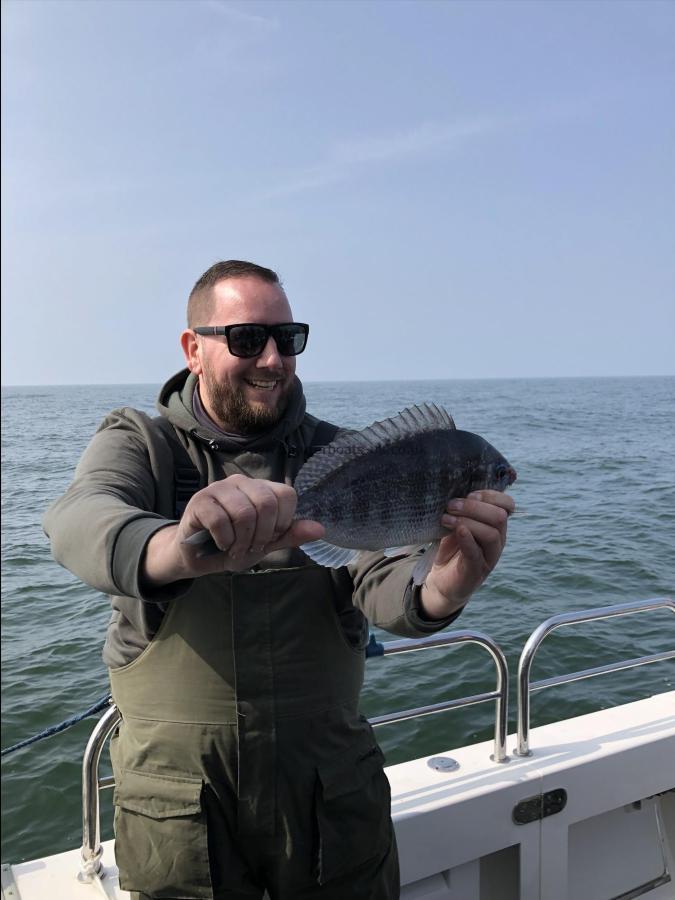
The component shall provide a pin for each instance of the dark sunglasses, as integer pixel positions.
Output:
(250, 338)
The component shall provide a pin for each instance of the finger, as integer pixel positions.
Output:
(198, 538)
(210, 519)
(489, 540)
(287, 501)
(447, 548)
(203, 544)
(301, 532)
(243, 516)
(496, 498)
(264, 500)
(471, 549)
(488, 513)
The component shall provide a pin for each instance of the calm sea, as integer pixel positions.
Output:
(596, 484)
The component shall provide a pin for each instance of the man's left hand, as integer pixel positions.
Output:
(468, 554)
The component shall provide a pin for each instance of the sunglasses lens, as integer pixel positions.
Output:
(247, 340)
(290, 339)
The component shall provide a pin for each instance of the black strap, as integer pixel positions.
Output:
(186, 484)
(186, 478)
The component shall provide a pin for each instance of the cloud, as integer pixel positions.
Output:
(345, 157)
(227, 11)
(425, 137)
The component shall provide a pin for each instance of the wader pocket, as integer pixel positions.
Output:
(161, 837)
(353, 810)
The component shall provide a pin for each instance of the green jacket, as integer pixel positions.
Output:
(124, 490)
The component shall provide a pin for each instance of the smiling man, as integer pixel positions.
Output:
(241, 393)
(242, 764)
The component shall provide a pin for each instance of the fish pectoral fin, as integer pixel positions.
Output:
(403, 551)
(203, 541)
(426, 561)
(329, 555)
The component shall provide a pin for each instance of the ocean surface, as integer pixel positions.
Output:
(596, 490)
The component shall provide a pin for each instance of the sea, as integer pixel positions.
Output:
(595, 527)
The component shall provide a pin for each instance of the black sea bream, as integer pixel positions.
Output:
(386, 487)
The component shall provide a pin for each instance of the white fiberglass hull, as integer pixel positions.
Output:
(614, 837)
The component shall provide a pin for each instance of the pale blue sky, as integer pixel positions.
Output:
(447, 189)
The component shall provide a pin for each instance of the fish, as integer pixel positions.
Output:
(385, 487)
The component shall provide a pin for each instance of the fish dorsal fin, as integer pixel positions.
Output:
(352, 444)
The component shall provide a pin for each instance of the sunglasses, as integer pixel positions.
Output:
(250, 339)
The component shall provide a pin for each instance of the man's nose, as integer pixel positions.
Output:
(270, 358)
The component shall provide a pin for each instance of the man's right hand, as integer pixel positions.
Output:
(247, 518)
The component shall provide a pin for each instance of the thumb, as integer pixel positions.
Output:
(448, 547)
(301, 532)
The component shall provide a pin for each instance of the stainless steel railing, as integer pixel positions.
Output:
(500, 695)
(91, 850)
(525, 688)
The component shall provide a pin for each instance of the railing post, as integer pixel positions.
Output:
(586, 615)
(91, 850)
(500, 695)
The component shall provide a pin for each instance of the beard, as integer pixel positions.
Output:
(235, 413)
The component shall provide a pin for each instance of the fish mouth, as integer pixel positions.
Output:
(504, 476)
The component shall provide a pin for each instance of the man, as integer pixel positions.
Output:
(242, 763)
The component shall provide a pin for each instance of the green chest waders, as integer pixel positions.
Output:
(241, 761)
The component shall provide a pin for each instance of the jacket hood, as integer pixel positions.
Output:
(175, 404)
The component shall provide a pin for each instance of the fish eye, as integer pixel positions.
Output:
(501, 470)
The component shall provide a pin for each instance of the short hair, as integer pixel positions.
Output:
(200, 300)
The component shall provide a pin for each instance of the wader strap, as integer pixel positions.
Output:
(186, 478)
(186, 484)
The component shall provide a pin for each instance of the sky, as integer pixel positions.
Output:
(446, 189)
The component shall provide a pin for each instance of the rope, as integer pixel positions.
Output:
(374, 648)
(55, 729)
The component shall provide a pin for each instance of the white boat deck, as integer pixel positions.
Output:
(613, 840)
(459, 826)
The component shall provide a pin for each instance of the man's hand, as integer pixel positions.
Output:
(247, 518)
(470, 552)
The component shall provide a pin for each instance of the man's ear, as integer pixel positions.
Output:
(191, 351)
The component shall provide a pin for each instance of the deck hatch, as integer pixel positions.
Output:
(539, 807)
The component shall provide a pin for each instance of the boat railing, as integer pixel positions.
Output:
(92, 851)
(440, 641)
(526, 687)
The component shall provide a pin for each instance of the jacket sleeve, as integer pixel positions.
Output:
(100, 527)
(384, 591)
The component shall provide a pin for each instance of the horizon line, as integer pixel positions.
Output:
(346, 380)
